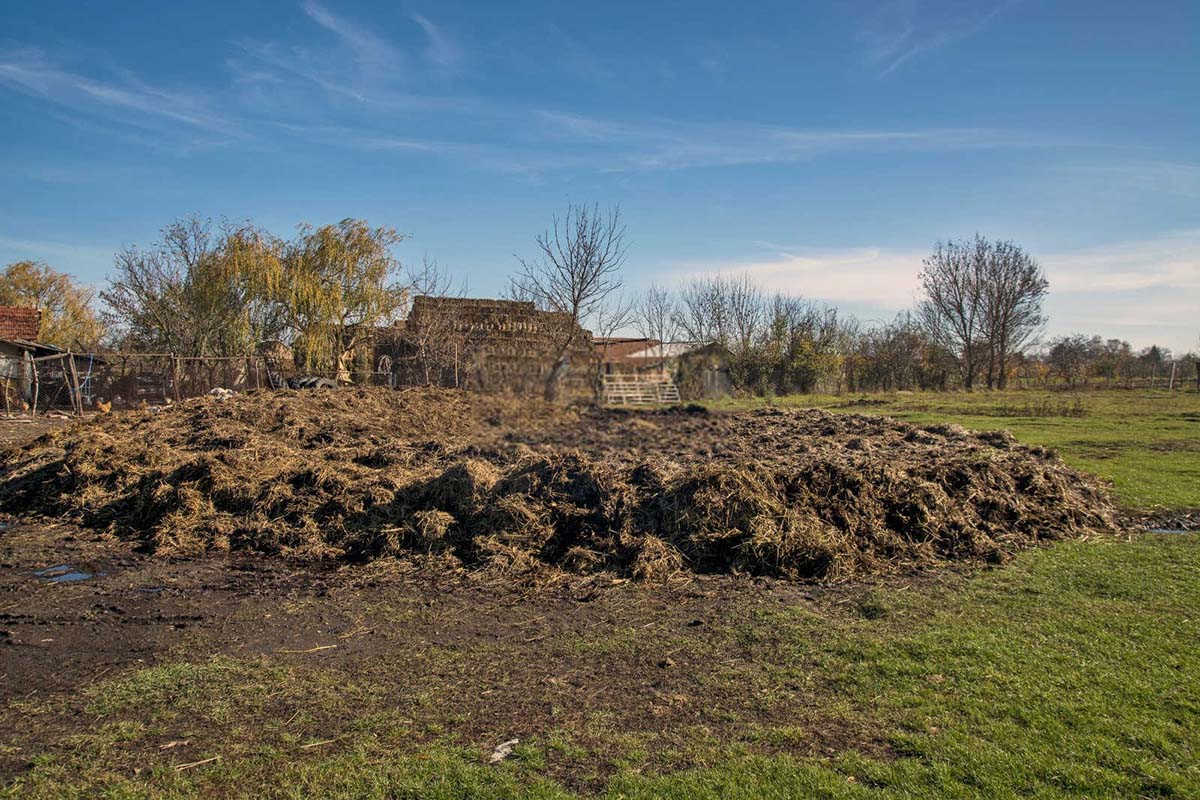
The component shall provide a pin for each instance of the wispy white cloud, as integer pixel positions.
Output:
(1145, 291)
(560, 141)
(1166, 262)
(370, 49)
(665, 144)
(361, 64)
(272, 89)
(29, 71)
(443, 51)
(877, 277)
(898, 31)
(1175, 178)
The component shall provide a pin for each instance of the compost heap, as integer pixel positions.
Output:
(482, 482)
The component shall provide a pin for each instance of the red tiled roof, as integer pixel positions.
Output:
(19, 323)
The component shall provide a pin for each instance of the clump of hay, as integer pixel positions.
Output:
(487, 483)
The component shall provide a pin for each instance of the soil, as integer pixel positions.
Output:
(19, 429)
(517, 664)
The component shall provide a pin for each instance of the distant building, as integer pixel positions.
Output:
(698, 370)
(614, 353)
(18, 346)
(481, 343)
(19, 323)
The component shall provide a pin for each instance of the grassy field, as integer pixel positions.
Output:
(1071, 672)
(1146, 442)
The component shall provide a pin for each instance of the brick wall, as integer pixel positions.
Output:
(19, 323)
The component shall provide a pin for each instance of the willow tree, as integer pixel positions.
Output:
(248, 276)
(68, 319)
(202, 290)
(338, 286)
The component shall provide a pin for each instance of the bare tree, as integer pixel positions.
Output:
(656, 317)
(747, 312)
(983, 302)
(952, 306)
(576, 273)
(703, 311)
(1012, 289)
(438, 337)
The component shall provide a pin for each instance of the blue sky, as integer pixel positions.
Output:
(822, 147)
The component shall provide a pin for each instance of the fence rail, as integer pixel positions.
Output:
(635, 389)
(83, 381)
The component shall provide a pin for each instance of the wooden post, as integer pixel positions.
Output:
(33, 368)
(77, 396)
(176, 373)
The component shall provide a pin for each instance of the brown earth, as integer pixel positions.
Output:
(18, 429)
(535, 491)
(600, 657)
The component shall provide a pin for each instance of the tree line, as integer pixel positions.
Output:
(225, 289)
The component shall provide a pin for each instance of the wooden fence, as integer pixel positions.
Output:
(83, 381)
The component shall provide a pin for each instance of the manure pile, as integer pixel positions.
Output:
(482, 482)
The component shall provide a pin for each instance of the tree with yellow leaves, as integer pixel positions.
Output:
(338, 285)
(68, 319)
(202, 290)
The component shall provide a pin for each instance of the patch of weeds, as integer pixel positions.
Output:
(872, 606)
(183, 687)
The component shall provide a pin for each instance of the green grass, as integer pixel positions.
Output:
(1071, 673)
(1146, 442)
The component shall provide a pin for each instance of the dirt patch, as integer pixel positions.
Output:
(18, 429)
(1166, 520)
(453, 655)
(529, 489)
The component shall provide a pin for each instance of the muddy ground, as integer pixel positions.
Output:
(501, 663)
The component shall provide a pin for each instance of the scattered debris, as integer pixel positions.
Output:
(174, 743)
(311, 649)
(220, 393)
(318, 744)
(526, 488)
(182, 767)
(1176, 521)
(503, 751)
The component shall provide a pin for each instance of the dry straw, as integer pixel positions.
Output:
(528, 489)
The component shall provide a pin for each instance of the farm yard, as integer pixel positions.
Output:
(526, 600)
(465, 401)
